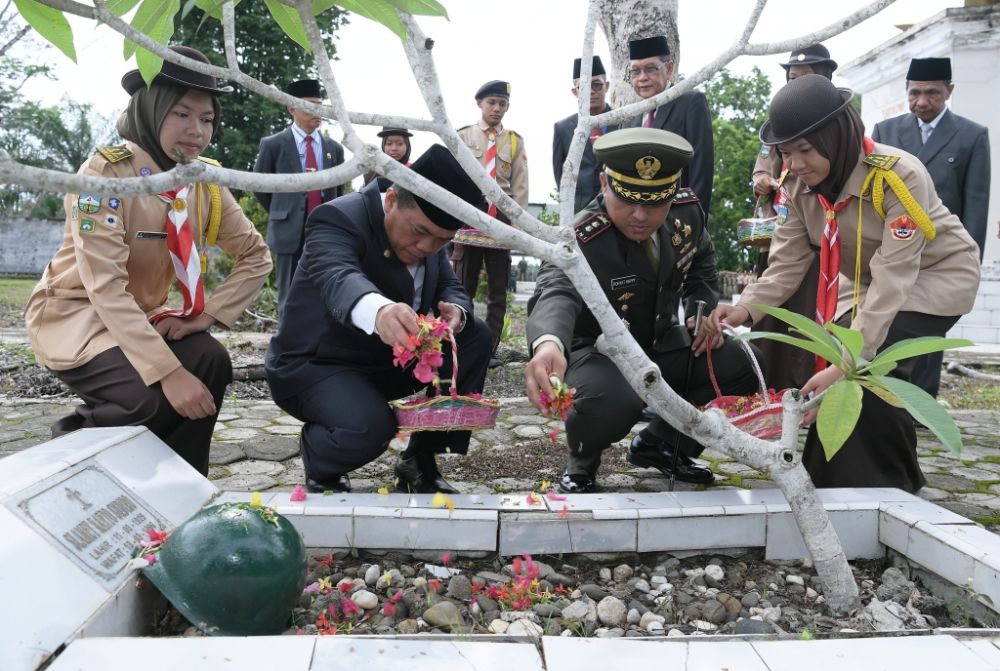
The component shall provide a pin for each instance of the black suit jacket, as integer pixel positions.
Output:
(587, 184)
(286, 212)
(346, 255)
(688, 116)
(957, 155)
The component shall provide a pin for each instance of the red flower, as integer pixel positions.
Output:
(349, 608)
(434, 584)
(389, 609)
(446, 558)
(517, 565)
(345, 586)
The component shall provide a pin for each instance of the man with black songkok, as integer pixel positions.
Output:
(956, 152)
(370, 264)
(587, 183)
(301, 147)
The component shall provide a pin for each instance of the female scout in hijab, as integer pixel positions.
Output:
(915, 273)
(98, 318)
(395, 143)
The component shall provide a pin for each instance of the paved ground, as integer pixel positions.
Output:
(256, 448)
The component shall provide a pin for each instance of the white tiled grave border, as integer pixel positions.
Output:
(867, 520)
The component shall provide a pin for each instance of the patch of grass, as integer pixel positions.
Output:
(989, 521)
(983, 486)
(16, 291)
(971, 394)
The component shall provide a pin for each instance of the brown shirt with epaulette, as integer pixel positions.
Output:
(901, 270)
(644, 297)
(512, 162)
(114, 270)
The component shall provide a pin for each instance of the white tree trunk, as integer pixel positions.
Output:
(555, 245)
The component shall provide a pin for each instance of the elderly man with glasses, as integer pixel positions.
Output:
(651, 69)
(588, 184)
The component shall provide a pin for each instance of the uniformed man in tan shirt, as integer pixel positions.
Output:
(501, 151)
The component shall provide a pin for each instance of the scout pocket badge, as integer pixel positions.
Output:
(756, 231)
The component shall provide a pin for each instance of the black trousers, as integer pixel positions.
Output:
(606, 408)
(927, 372)
(349, 423)
(468, 261)
(113, 394)
(882, 450)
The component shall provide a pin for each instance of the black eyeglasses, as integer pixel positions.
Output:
(648, 70)
(595, 85)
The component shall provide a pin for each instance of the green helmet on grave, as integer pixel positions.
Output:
(233, 570)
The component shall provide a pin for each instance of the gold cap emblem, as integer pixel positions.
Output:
(647, 166)
(800, 57)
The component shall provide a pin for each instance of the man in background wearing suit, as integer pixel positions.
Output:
(588, 184)
(299, 148)
(956, 152)
(371, 263)
(651, 69)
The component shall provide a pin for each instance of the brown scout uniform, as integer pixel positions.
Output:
(113, 270)
(512, 162)
(938, 277)
(910, 287)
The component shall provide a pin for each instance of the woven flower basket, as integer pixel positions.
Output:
(758, 414)
(758, 230)
(453, 412)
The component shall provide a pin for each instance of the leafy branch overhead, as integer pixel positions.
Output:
(841, 403)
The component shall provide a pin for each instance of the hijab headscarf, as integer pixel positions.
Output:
(147, 109)
(839, 142)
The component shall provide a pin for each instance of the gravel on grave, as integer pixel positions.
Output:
(659, 595)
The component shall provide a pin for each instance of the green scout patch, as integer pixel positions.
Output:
(87, 225)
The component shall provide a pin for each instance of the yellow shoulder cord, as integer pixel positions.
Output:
(209, 234)
(513, 147)
(876, 179)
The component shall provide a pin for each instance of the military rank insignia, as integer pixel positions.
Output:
(589, 229)
(902, 228)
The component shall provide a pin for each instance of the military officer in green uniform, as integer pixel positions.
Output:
(647, 243)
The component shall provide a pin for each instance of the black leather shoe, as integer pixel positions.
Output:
(494, 363)
(431, 476)
(339, 483)
(409, 477)
(648, 414)
(577, 483)
(657, 454)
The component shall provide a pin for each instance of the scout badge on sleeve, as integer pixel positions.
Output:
(452, 412)
(902, 228)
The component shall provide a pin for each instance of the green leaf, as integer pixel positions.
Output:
(420, 7)
(926, 410)
(851, 339)
(819, 349)
(881, 392)
(911, 347)
(806, 326)
(379, 11)
(154, 18)
(289, 21)
(49, 23)
(877, 368)
(838, 415)
(212, 8)
(121, 7)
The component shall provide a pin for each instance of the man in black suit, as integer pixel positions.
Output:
(588, 184)
(299, 148)
(651, 69)
(371, 262)
(956, 152)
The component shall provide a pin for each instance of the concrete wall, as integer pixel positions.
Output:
(27, 245)
(967, 35)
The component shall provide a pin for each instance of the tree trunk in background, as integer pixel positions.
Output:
(624, 20)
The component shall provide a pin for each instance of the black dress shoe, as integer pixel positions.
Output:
(577, 483)
(338, 483)
(409, 477)
(657, 454)
(648, 414)
(494, 363)
(431, 476)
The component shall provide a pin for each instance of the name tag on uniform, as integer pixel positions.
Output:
(624, 282)
(152, 235)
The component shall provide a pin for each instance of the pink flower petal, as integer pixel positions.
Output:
(298, 493)
(552, 496)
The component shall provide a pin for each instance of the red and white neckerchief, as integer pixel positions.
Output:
(491, 162)
(184, 255)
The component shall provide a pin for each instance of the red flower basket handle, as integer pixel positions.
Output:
(753, 362)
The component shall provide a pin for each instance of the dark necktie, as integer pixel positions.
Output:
(313, 198)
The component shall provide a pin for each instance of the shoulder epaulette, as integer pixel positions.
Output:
(883, 161)
(464, 127)
(513, 132)
(685, 195)
(591, 227)
(115, 154)
(210, 161)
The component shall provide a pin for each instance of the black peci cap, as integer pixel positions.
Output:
(596, 67)
(178, 75)
(305, 88)
(493, 88)
(439, 166)
(648, 47)
(929, 70)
